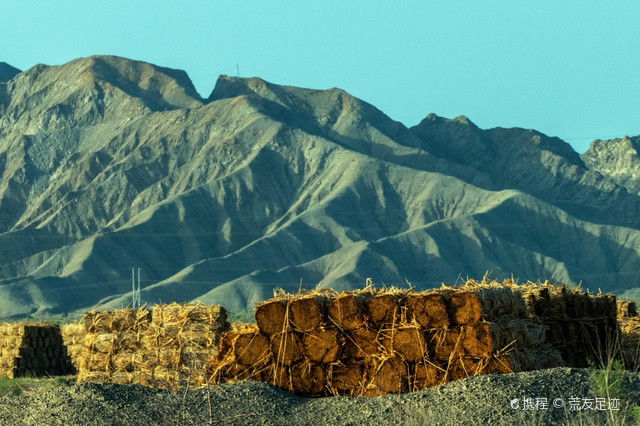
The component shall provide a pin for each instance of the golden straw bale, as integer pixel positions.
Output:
(307, 379)
(446, 343)
(307, 311)
(466, 307)
(345, 379)
(463, 367)
(384, 308)
(389, 375)
(427, 309)
(360, 343)
(322, 345)
(537, 299)
(250, 347)
(272, 316)
(287, 348)
(557, 302)
(626, 309)
(198, 313)
(127, 361)
(116, 321)
(425, 374)
(346, 311)
(478, 339)
(407, 342)
(630, 325)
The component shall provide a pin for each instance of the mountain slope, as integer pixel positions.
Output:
(7, 72)
(617, 159)
(108, 164)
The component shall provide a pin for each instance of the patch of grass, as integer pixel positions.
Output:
(609, 381)
(19, 385)
(243, 316)
(54, 318)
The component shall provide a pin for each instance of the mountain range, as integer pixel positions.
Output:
(109, 164)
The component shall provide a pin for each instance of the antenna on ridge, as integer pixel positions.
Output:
(237, 70)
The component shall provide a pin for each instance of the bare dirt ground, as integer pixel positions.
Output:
(477, 400)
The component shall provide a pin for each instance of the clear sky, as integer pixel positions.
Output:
(567, 68)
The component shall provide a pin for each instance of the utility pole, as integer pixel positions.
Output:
(237, 70)
(138, 292)
(135, 290)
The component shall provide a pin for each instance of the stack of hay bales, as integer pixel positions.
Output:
(73, 339)
(32, 349)
(375, 342)
(168, 347)
(629, 334)
(582, 326)
(112, 346)
(179, 342)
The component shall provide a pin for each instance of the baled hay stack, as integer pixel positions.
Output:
(630, 342)
(627, 309)
(73, 339)
(98, 322)
(111, 337)
(167, 348)
(32, 349)
(180, 340)
(373, 342)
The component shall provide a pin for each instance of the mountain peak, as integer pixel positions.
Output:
(7, 72)
(159, 87)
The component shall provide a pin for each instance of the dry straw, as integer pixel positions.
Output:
(378, 341)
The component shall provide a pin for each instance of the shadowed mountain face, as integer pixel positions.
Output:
(7, 72)
(108, 164)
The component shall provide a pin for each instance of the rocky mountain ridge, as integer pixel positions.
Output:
(108, 164)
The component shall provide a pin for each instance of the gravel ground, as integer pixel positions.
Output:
(477, 400)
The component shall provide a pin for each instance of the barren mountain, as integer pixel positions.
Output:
(7, 72)
(108, 164)
(617, 159)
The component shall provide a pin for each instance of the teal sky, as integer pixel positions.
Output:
(566, 68)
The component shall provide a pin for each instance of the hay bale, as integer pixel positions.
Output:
(322, 345)
(307, 311)
(407, 342)
(307, 379)
(286, 348)
(463, 367)
(345, 379)
(272, 316)
(214, 316)
(446, 343)
(481, 339)
(626, 309)
(557, 302)
(427, 309)
(579, 304)
(466, 307)
(360, 343)
(389, 375)
(33, 349)
(425, 375)
(346, 311)
(249, 346)
(384, 308)
(116, 321)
